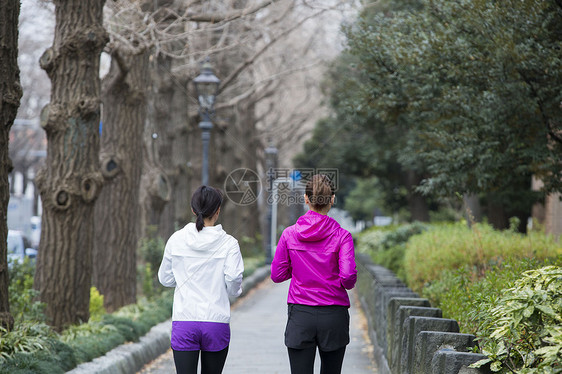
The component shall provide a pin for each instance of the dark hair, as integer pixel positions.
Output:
(319, 191)
(205, 202)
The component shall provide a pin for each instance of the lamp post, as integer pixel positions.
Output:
(206, 89)
(270, 233)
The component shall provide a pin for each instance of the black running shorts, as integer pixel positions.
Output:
(324, 326)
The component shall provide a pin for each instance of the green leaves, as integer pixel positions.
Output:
(525, 334)
(465, 92)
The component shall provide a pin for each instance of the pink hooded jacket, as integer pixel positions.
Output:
(318, 255)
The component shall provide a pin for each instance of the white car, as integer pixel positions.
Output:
(19, 247)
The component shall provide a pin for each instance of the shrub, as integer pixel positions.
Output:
(27, 337)
(97, 309)
(522, 330)
(151, 251)
(461, 293)
(387, 246)
(148, 280)
(251, 247)
(452, 246)
(23, 304)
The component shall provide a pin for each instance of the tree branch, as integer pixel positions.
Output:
(251, 60)
(215, 18)
(547, 122)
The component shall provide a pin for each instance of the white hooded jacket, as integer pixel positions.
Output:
(206, 268)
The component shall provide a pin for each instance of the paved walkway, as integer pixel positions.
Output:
(257, 325)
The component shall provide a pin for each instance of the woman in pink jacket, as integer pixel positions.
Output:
(318, 256)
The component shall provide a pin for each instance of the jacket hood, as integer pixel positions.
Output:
(203, 240)
(313, 227)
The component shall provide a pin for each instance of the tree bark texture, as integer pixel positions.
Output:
(417, 204)
(10, 95)
(162, 114)
(117, 208)
(70, 180)
(553, 215)
(235, 146)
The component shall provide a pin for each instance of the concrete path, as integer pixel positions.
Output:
(256, 347)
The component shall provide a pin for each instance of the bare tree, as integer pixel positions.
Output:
(36, 25)
(71, 180)
(177, 35)
(116, 211)
(10, 94)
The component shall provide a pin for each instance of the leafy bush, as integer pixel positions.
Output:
(251, 264)
(151, 250)
(452, 246)
(387, 246)
(251, 247)
(462, 293)
(96, 304)
(27, 337)
(23, 304)
(522, 330)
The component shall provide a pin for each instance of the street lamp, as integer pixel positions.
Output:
(270, 226)
(206, 89)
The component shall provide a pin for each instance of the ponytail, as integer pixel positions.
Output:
(199, 222)
(319, 191)
(205, 202)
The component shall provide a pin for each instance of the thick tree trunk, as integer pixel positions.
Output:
(70, 181)
(10, 94)
(116, 212)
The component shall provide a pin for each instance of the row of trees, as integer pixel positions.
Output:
(100, 193)
(435, 99)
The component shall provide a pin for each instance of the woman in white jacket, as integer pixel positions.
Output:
(205, 266)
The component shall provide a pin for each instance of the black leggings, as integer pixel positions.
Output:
(302, 360)
(211, 362)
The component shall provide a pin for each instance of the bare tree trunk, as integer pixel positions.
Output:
(472, 209)
(235, 147)
(497, 216)
(10, 95)
(161, 120)
(116, 212)
(70, 181)
(553, 214)
(416, 202)
(181, 156)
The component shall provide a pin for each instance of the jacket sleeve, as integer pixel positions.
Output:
(348, 269)
(233, 271)
(281, 265)
(165, 274)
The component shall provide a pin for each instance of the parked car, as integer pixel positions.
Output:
(19, 247)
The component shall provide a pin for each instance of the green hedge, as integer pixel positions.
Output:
(387, 245)
(452, 246)
(521, 330)
(32, 347)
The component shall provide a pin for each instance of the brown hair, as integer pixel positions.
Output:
(319, 191)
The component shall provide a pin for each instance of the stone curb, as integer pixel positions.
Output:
(130, 358)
